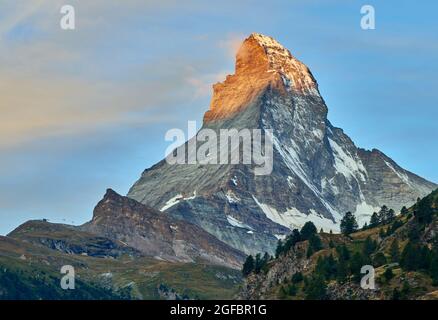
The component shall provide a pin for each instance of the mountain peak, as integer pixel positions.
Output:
(261, 63)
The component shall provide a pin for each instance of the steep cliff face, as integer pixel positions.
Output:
(156, 234)
(318, 172)
(261, 62)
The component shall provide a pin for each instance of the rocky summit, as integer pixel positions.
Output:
(318, 172)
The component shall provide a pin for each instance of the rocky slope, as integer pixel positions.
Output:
(318, 172)
(156, 234)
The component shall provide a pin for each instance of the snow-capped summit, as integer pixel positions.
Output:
(318, 172)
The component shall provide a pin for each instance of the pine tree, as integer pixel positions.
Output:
(258, 263)
(308, 230)
(342, 271)
(343, 252)
(356, 263)
(316, 288)
(404, 211)
(394, 251)
(379, 259)
(388, 274)
(396, 294)
(369, 246)
(331, 244)
(348, 224)
(390, 216)
(248, 266)
(280, 248)
(383, 214)
(409, 257)
(424, 211)
(291, 240)
(297, 277)
(374, 222)
(433, 269)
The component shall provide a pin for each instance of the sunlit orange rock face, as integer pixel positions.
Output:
(261, 63)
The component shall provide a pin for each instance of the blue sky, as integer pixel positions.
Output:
(87, 109)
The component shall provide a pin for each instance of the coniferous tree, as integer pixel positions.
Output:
(356, 263)
(406, 290)
(315, 288)
(390, 216)
(369, 246)
(433, 269)
(394, 251)
(308, 230)
(248, 266)
(388, 274)
(379, 259)
(342, 271)
(297, 277)
(291, 240)
(409, 257)
(396, 294)
(424, 211)
(348, 224)
(258, 263)
(374, 222)
(280, 248)
(343, 252)
(404, 211)
(382, 214)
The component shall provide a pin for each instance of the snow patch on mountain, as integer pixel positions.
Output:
(363, 213)
(292, 161)
(294, 219)
(239, 224)
(346, 165)
(403, 177)
(231, 197)
(175, 200)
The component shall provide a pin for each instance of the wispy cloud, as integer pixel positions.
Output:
(55, 84)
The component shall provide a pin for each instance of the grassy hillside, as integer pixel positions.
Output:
(31, 271)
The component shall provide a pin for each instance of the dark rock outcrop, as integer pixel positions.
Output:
(156, 234)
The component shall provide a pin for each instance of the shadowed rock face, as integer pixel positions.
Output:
(318, 172)
(154, 233)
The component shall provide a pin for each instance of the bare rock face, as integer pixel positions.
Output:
(156, 234)
(261, 62)
(318, 172)
(263, 286)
